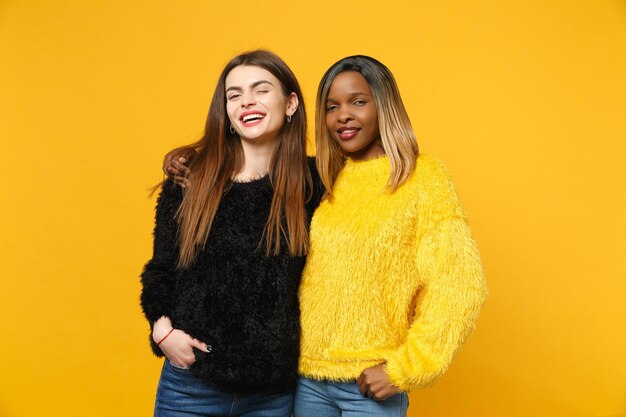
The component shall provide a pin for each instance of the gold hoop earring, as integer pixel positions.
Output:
(232, 130)
(288, 119)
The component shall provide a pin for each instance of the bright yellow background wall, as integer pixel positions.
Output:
(525, 102)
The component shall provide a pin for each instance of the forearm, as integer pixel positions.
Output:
(453, 294)
(161, 328)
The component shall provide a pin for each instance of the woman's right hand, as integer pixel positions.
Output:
(178, 345)
(178, 348)
(175, 165)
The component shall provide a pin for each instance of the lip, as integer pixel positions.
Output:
(347, 132)
(251, 112)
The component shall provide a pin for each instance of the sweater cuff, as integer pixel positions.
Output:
(395, 371)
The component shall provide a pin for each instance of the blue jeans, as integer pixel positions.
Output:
(343, 399)
(180, 394)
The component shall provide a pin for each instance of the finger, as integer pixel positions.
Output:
(379, 395)
(200, 345)
(182, 181)
(178, 180)
(189, 361)
(178, 361)
(363, 388)
(182, 168)
(171, 171)
(388, 391)
(183, 363)
(384, 395)
(177, 165)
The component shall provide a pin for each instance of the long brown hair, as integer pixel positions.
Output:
(395, 128)
(220, 156)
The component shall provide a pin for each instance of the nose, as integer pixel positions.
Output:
(247, 99)
(345, 116)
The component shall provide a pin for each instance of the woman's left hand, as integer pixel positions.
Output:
(374, 382)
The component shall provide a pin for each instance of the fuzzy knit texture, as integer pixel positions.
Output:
(234, 298)
(391, 278)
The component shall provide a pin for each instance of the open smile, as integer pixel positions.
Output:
(347, 132)
(251, 118)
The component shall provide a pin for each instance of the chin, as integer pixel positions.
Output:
(350, 150)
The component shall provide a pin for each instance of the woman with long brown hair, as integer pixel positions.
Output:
(220, 291)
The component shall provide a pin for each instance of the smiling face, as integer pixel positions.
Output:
(351, 116)
(255, 103)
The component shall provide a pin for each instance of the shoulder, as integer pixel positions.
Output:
(435, 186)
(431, 174)
(428, 167)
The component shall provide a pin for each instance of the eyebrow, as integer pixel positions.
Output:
(254, 84)
(358, 93)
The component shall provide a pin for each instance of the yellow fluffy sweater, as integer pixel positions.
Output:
(390, 278)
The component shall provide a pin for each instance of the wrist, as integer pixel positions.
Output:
(164, 337)
(161, 328)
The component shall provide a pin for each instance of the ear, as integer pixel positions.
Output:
(292, 104)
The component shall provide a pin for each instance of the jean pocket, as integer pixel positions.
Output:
(177, 368)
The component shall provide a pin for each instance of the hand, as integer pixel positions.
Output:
(178, 345)
(174, 165)
(374, 382)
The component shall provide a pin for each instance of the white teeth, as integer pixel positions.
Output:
(251, 117)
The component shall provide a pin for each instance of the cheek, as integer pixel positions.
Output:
(329, 124)
(273, 102)
(373, 122)
(230, 112)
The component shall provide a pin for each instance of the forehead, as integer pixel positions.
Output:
(244, 75)
(348, 83)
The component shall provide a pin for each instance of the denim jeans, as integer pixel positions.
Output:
(335, 399)
(180, 394)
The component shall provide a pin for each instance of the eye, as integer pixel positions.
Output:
(263, 91)
(360, 102)
(234, 96)
(332, 107)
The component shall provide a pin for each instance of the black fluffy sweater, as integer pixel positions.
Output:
(234, 298)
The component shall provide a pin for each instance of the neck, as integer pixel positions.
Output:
(373, 151)
(257, 158)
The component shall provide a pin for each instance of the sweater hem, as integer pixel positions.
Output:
(338, 371)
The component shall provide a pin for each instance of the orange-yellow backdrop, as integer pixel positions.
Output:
(525, 102)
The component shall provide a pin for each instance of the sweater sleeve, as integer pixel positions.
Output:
(158, 277)
(452, 294)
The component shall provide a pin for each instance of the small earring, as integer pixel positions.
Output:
(288, 119)
(232, 130)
